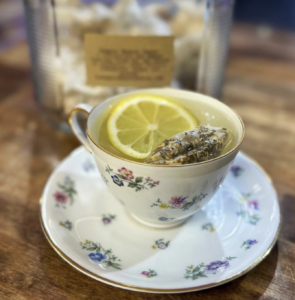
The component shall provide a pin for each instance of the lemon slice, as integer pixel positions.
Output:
(140, 123)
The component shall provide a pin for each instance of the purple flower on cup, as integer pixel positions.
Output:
(96, 257)
(216, 266)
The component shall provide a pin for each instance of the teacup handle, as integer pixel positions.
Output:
(75, 126)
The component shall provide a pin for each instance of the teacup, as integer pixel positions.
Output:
(162, 196)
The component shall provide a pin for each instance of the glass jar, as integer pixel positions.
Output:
(56, 31)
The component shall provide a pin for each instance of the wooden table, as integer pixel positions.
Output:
(260, 86)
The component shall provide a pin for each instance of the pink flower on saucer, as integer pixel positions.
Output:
(253, 204)
(145, 273)
(126, 173)
(60, 198)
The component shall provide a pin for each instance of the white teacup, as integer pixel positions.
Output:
(163, 196)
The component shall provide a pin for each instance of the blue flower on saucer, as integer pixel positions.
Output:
(163, 219)
(96, 257)
(117, 180)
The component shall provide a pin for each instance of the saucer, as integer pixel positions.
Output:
(90, 230)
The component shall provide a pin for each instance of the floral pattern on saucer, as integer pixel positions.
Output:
(179, 202)
(202, 270)
(100, 255)
(149, 253)
(160, 244)
(67, 224)
(209, 227)
(107, 219)
(67, 193)
(248, 244)
(236, 171)
(248, 208)
(88, 166)
(127, 177)
(149, 274)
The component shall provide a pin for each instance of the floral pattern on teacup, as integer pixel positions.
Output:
(117, 180)
(165, 218)
(179, 202)
(126, 176)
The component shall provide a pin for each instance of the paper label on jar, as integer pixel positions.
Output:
(135, 61)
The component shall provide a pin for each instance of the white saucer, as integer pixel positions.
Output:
(90, 230)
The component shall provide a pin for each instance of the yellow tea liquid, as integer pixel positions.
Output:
(204, 116)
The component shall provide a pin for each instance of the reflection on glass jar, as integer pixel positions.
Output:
(56, 31)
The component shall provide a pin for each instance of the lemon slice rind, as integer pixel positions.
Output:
(144, 123)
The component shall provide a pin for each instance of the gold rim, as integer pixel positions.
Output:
(126, 286)
(70, 121)
(163, 166)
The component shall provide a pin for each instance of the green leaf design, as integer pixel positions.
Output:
(110, 261)
(132, 185)
(138, 179)
(187, 206)
(91, 248)
(196, 269)
(230, 257)
(115, 266)
(68, 188)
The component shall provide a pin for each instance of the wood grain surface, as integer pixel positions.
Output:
(260, 86)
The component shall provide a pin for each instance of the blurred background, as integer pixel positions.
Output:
(278, 14)
(255, 22)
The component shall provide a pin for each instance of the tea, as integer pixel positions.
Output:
(203, 113)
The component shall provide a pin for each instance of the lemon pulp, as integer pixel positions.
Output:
(140, 123)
